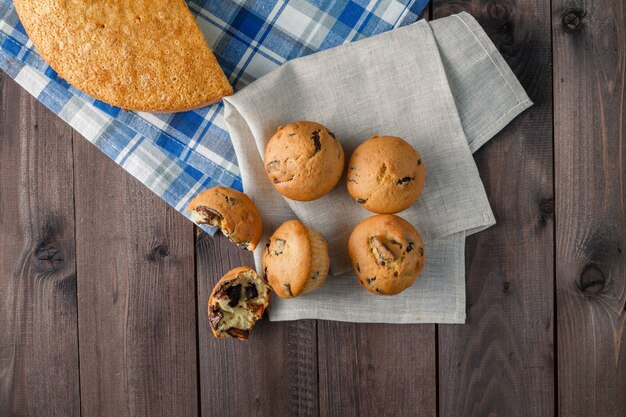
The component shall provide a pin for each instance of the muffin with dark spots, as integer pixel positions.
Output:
(295, 260)
(387, 254)
(231, 211)
(385, 174)
(237, 301)
(304, 160)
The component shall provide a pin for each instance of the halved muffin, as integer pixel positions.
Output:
(238, 300)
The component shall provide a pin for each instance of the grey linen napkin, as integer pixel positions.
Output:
(444, 88)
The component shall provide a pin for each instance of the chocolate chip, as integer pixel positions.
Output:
(234, 293)
(358, 267)
(398, 244)
(421, 250)
(254, 308)
(379, 291)
(419, 162)
(276, 181)
(404, 180)
(215, 316)
(352, 180)
(316, 141)
(272, 166)
(331, 134)
(208, 214)
(238, 333)
(352, 168)
(288, 288)
(409, 248)
(220, 290)
(395, 274)
(292, 134)
(315, 275)
(370, 280)
(361, 201)
(265, 274)
(251, 292)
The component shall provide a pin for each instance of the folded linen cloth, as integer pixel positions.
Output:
(445, 89)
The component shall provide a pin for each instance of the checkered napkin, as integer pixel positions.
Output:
(178, 155)
(444, 88)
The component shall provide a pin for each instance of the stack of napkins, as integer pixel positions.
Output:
(444, 88)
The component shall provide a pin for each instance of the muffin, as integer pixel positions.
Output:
(232, 212)
(238, 300)
(387, 254)
(385, 174)
(295, 260)
(304, 160)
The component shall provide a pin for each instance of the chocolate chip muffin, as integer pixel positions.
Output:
(232, 212)
(385, 174)
(295, 260)
(304, 160)
(238, 300)
(387, 254)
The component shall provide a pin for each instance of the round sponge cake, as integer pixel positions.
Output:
(136, 54)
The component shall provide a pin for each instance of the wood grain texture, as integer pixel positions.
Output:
(38, 316)
(501, 363)
(590, 152)
(377, 370)
(273, 373)
(137, 321)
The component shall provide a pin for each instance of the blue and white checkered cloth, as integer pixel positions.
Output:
(178, 155)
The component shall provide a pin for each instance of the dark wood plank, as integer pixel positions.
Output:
(501, 363)
(136, 291)
(590, 150)
(274, 373)
(377, 369)
(38, 314)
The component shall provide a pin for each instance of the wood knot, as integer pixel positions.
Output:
(546, 209)
(592, 280)
(572, 19)
(547, 206)
(497, 11)
(158, 252)
(48, 258)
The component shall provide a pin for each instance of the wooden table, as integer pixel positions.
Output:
(103, 287)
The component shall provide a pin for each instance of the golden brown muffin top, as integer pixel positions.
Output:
(304, 160)
(387, 254)
(385, 174)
